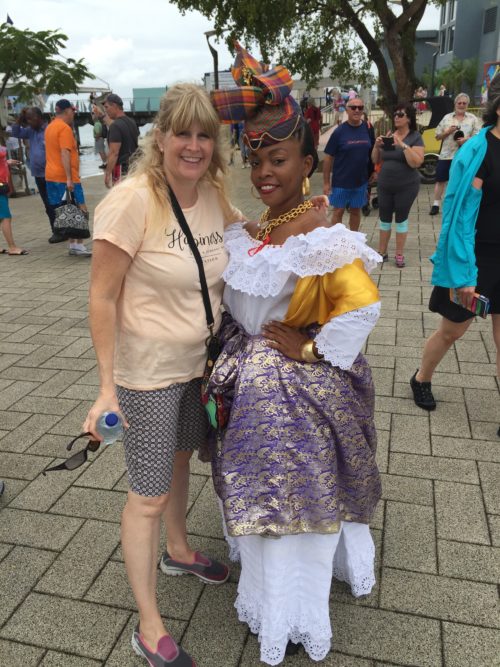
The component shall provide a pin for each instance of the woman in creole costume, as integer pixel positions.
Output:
(295, 468)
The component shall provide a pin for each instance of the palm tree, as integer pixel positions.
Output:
(460, 75)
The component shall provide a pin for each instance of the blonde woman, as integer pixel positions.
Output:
(148, 326)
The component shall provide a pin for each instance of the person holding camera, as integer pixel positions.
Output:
(401, 153)
(454, 130)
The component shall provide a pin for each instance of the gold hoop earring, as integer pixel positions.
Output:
(306, 187)
(255, 196)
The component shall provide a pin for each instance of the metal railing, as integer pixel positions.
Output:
(130, 104)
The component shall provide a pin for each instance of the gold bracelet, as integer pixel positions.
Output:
(307, 352)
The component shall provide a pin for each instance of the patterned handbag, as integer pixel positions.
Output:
(71, 222)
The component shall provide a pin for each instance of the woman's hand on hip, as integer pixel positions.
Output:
(104, 403)
(320, 202)
(287, 340)
(466, 294)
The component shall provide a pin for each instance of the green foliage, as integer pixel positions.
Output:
(307, 36)
(426, 79)
(30, 62)
(459, 76)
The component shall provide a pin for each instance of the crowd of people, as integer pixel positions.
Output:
(284, 305)
(54, 161)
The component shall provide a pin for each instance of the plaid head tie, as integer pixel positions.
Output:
(257, 87)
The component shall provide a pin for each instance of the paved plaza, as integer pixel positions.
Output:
(64, 597)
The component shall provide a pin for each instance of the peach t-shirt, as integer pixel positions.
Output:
(161, 323)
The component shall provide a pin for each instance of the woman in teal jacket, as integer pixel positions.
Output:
(467, 256)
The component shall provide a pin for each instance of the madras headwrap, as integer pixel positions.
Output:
(262, 99)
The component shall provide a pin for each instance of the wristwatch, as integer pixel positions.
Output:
(405, 146)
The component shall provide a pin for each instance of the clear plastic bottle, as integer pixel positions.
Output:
(110, 427)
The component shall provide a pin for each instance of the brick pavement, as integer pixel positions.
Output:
(64, 599)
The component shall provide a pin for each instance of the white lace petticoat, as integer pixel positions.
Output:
(284, 588)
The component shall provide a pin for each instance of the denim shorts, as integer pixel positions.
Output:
(4, 207)
(352, 197)
(56, 192)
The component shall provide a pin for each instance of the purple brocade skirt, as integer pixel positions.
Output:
(298, 452)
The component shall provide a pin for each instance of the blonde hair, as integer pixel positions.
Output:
(182, 105)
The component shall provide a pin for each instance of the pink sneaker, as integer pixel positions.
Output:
(400, 261)
(168, 653)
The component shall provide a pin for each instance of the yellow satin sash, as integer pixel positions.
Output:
(320, 298)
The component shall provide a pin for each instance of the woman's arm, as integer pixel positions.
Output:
(339, 342)
(327, 174)
(414, 155)
(376, 150)
(342, 338)
(109, 266)
(354, 306)
(467, 293)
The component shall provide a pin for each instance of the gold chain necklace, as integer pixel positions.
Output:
(266, 226)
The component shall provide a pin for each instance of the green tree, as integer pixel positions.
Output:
(459, 76)
(345, 35)
(30, 62)
(470, 76)
(426, 79)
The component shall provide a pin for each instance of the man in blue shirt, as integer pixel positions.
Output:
(348, 152)
(31, 126)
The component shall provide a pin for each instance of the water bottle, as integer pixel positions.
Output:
(110, 427)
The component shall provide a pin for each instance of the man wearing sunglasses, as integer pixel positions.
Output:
(347, 165)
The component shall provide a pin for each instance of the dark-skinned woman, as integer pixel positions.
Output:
(295, 470)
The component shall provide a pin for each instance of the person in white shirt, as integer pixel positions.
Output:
(454, 130)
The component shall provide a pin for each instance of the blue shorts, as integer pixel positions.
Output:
(56, 192)
(4, 207)
(443, 171)
(352, 197)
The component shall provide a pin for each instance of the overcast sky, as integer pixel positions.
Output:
(132, 43)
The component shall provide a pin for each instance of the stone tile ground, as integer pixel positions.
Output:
(64, 598)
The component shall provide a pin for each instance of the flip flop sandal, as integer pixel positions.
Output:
(3, 251)
(18, 254)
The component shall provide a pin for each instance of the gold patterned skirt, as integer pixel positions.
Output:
(298, 453)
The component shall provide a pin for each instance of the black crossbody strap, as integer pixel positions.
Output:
(196, 254)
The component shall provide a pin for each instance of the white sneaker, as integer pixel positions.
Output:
(82, 252)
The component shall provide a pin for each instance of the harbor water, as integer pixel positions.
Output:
(89, 161)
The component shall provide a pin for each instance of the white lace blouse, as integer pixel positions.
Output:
(259, 287)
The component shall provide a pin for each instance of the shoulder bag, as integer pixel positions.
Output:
(71, 222)
(217, 414)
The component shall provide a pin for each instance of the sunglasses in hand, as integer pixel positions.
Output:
(80, 457)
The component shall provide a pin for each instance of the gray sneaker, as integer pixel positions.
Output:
(168, 653)
(85, 252)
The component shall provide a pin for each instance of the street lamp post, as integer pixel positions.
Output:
(215, 56)
(434, 56)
